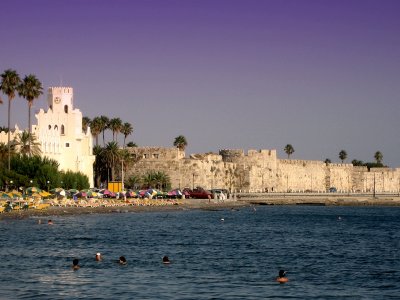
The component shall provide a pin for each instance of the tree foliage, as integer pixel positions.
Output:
(289, 150)
(342, 155)
(180, 142)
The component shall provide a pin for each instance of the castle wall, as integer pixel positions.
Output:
(261, 171)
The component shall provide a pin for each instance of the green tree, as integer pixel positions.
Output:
(30, 89)
(111, 156)
(10, 83)
(115, 126)
(133, 182)
(289, 150)
(342, 155)
(356, 162)
(126, 130)
(378, 157)
(180, 142)
(99, 166)
(27, 143)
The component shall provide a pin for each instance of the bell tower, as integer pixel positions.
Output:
(60, 99)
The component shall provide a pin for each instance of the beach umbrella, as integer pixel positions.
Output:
(4, 195)
(58, 192)
(106, 192)
(81, 195)
(44, 194)
(92, 194)
(32, 189)
(15, 194)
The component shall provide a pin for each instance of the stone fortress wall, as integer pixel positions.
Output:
(259, 171)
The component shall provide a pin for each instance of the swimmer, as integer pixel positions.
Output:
(281, 278)
(222, 219)
(122, 260)
(165, 260)
(75, 264)
(98, 256)
(39, 221)
(50, 222)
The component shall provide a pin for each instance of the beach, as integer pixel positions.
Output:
(241, 200)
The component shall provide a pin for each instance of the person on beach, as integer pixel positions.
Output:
(165, 260)
(281, 277)
(98, 256)
(122, 260)
(75, 264)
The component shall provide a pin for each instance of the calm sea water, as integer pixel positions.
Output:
(355, 256)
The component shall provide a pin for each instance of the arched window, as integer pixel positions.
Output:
(49, 127)
(55, 127)
(66, 109)
(62, 129)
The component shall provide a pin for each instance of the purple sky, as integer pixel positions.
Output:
(252, 74)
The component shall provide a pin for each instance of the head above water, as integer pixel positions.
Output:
(282, 273)
(122, 260)
(165, 259)
(75, 262)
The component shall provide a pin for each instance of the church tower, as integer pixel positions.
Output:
(59, 130)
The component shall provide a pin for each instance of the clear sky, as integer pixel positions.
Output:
(227, 74)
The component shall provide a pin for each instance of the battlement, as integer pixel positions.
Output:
(60, 90)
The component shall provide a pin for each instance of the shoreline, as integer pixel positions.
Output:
(201, 204)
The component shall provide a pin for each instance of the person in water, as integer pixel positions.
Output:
(98, 256)
(122, 260)
(75, 264)
(50, 222)
(165, 260)
(281, 277)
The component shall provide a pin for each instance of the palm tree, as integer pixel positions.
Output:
(10, 83)
(115, 126)
(342, 155)
(289, 150)
(378, 157)
(30, 89)
(111, 154)
(131, 144)
(104, 124)
(27, 143)
(85, 123)
(126, 130)
(180, 142)
(96, 128)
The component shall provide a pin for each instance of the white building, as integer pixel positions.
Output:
(59, 132)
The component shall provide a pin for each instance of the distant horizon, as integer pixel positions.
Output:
(234, 74)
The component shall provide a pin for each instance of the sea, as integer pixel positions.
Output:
(328, 252)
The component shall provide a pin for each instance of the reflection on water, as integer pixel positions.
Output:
(338, 252)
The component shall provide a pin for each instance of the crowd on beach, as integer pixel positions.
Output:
(41, 200)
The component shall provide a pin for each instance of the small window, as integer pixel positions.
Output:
(144, 155)
(49, 127)
(155, 156)
(62, 129)
(66, 109)
(67, 145)
(55, 127)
